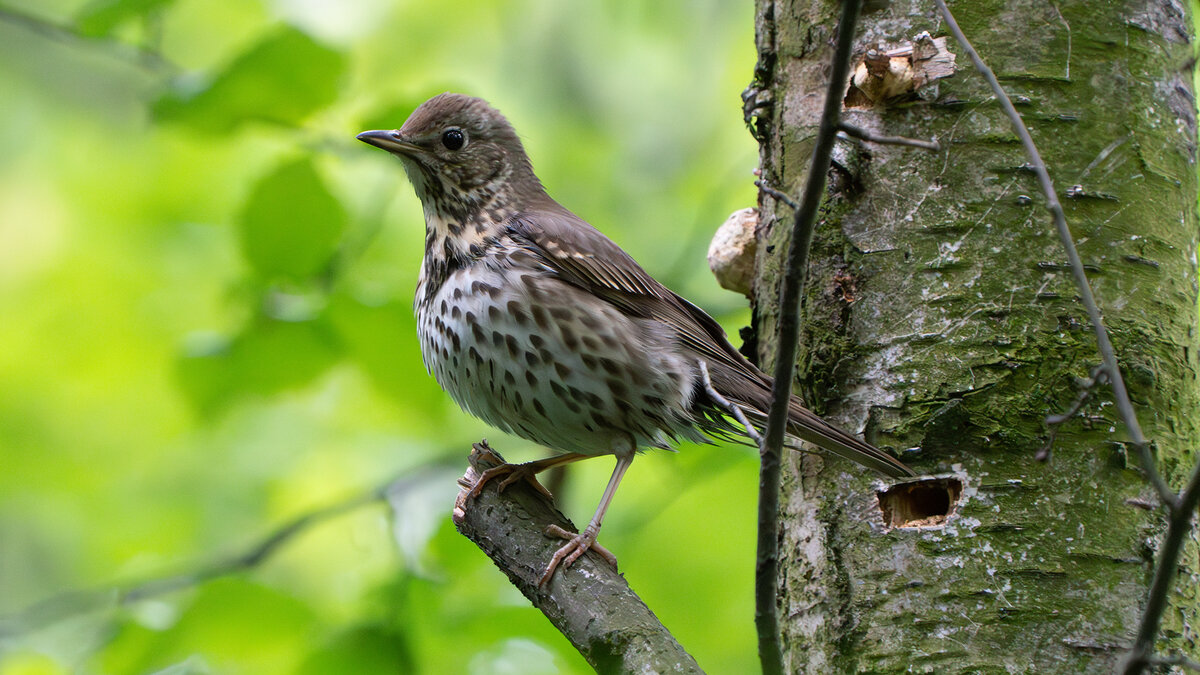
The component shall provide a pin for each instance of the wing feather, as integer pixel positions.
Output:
(582, 256)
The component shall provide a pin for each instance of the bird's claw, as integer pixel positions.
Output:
(576, 546)
(515, 472)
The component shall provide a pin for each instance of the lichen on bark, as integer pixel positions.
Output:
(941, 320)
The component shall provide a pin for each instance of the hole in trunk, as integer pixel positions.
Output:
(922, 503)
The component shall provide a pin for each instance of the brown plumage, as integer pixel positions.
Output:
(537, 323)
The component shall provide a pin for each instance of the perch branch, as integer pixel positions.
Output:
(766, 615)
(589, 602)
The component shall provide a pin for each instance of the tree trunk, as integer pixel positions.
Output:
(941, 320)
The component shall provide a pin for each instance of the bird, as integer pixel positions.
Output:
(534, 321)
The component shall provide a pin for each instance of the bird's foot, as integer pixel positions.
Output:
(512, 473)
(577, 545)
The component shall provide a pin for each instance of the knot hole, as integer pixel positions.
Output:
(922, 503)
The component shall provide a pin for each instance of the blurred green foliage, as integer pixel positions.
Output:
(206, 325)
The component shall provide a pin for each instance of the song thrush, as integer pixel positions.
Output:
(538, 324)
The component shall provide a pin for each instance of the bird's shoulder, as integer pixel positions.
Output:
(580, 255)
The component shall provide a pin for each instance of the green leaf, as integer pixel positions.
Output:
(283, 79)
(102, 16)
(291, 225)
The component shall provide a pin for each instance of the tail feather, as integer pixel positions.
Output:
(805, 425)
(752, 392)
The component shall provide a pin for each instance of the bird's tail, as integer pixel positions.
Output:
(805, 425)
(751, 391)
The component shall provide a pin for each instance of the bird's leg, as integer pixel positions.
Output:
(527, 472)
(578, 544)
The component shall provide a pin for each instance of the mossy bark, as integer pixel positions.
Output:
(940, 319)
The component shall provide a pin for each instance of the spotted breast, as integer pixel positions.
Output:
(535, 356)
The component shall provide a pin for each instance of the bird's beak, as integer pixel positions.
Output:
(388, 140)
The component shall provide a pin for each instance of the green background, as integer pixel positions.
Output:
(206, 326)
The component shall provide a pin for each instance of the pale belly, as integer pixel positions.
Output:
(550, 364)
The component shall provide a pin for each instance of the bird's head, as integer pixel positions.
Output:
(461, 154)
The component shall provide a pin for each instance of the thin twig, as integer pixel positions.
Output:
(766, 615)
(731, 407)
(871, 137)
(251, 558)
(1054, 422)
(144, 57)
(1107, 354)
(1179, 523)
(1086, 387)
(762, 185)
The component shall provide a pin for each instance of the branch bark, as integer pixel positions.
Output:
(589, 602)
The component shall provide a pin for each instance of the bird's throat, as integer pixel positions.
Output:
(452, 236)
(455, 240)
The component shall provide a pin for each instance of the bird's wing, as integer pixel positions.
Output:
(582, 256)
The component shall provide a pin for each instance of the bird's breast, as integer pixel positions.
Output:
(541, 359)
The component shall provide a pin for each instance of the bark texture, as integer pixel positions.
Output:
(940, 320)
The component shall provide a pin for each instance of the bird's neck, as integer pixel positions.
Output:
(460, 227)
(459, 221)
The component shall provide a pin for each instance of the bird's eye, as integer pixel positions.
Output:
(454, 139)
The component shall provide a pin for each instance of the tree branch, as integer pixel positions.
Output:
(766, 615)
(589, 602)
(871, 137)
